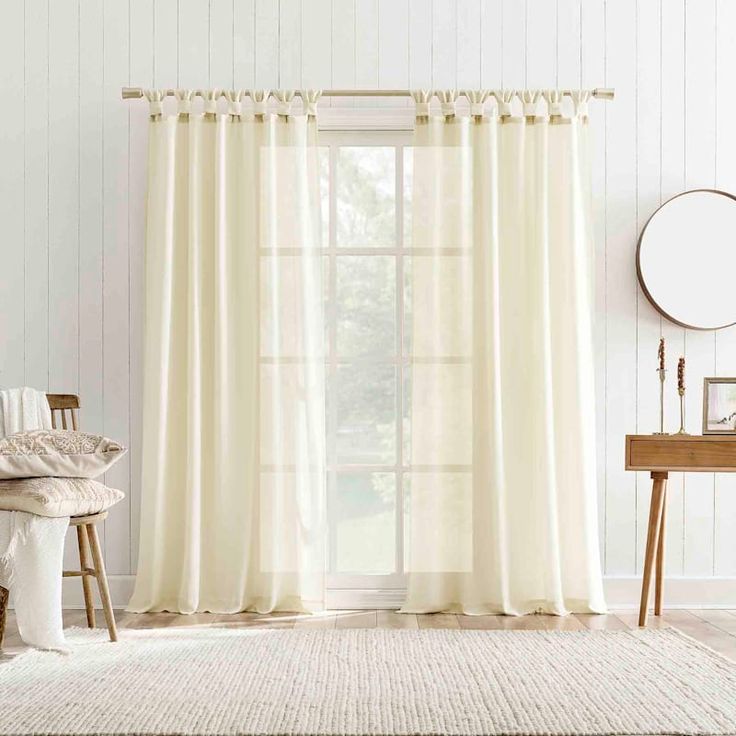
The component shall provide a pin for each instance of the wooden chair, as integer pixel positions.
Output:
(87, 539)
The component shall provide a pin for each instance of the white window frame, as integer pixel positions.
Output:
(372, 128)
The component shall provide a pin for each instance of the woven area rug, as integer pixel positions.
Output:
(238, 681)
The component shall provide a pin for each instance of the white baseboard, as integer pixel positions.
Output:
(621, 592)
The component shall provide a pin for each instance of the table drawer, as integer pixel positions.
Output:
(679, 452)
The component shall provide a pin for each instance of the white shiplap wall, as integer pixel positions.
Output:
(73, 173)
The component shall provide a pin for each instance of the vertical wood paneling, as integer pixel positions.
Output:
(63, 210)
(91, 373)
(491, 50)
(593, 68)
(569, 43)
(244, 47)
(540, 59)
(220, 44)
(71, 309)
(290, 44)
(63, 205)
(700, 166)
(141, 67)
(513, 44)
(266, 44)
(620, 286)
(316, 38)
(36, 181)
(444, 44)
(648, 175)
(366, 47)
(672, 181)
(194, 31)
(468, 44)
(724, 549)
(343, 49)
(393, 49)
(166, 43)
(116, 265)
(12, 344)
(700, 93)
(420, 44)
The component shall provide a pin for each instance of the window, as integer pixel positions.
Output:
(364, 179)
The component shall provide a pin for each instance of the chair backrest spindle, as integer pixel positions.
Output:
(63, 403)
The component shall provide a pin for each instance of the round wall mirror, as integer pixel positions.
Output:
(686, 259)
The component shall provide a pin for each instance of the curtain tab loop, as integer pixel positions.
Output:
(155, 99)
(504, 98)
(447, 98)
(260, 100)
(310, 97)
(283, 101)
(421, 99)
(210, 97)
(234, 104)
(184, 101)
(554, 102)
(477, 99)
(529, 100)
(580, 99)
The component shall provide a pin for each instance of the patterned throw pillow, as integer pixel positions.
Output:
(57, 496)
(62, 453)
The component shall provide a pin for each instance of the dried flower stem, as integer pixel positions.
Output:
(681, 392)
(661, 370)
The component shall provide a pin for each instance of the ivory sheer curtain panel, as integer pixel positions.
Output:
(501, 493)
(232, 514)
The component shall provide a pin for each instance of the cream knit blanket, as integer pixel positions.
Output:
(32, 547)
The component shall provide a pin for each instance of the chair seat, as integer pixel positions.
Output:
(87, 519)
(56, 497)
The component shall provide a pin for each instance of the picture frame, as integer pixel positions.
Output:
(719, 405)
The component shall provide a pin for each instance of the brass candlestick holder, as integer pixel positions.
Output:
(681, 392)
(661, 372)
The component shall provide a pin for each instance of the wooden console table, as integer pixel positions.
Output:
(660, 454)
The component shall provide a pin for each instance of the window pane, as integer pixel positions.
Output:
(366, 197)
(366, 414)
(366, 522)
(366, 306)
(408, 183)
(408, 312)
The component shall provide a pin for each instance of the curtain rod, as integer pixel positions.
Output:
(132, 93)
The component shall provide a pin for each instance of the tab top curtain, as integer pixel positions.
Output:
(232, 508)
(501, 511)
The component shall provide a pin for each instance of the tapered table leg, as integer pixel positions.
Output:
(659, 588)
(655, 521)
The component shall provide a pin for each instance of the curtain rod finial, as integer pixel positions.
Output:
(131, 93)
(604, 93)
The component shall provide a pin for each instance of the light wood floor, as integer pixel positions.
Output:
(715, 628)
